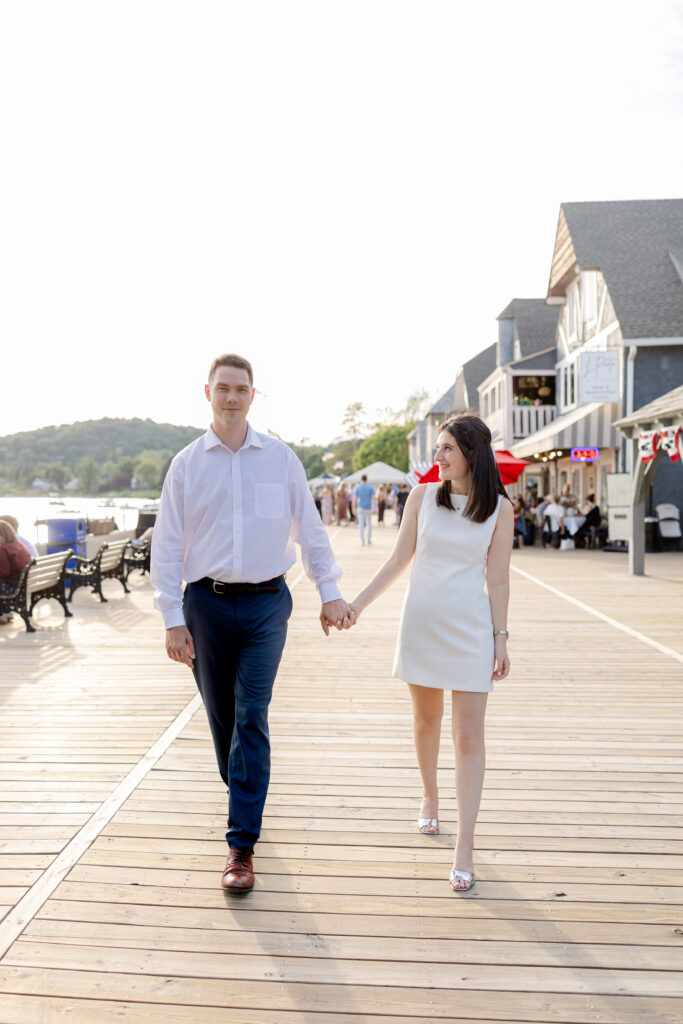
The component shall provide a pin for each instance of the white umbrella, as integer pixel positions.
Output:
(378, 473)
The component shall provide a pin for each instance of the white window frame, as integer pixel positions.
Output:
(567, 395)
(589, 297)
(574, 314)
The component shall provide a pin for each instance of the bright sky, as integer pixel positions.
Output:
(346, 193)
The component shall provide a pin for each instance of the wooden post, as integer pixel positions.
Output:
(636, 546)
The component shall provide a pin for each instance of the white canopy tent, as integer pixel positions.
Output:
(324, 478)
(378, 473)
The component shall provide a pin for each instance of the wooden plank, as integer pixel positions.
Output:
(379, 979)
(48, 1010)
(268, 900)
(438, 924)
(410, 950)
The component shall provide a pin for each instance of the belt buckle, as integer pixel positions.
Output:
(216, 584)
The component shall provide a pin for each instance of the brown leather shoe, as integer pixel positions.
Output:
(239, 871)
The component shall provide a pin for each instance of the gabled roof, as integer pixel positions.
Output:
(636, 245)
(535, 324)
(545, 361)
(444, 404)
(476, 370)
(668, 405)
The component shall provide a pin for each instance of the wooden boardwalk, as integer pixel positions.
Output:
(112, 829)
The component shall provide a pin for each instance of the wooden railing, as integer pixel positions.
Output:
(527, 419)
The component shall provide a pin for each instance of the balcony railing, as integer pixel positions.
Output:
(527, 419)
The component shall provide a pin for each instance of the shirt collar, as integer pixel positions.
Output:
(212, 440)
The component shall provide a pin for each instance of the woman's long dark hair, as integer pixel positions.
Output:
(473, 438)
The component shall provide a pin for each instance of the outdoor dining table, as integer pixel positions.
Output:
(573, 523)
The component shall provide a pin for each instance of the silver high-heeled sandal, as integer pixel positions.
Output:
(462, 876)
(423, 824)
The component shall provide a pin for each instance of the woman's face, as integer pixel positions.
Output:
(449, 458)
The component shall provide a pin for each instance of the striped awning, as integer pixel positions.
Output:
(589, 426)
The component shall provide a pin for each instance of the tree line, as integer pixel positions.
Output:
(107, 455)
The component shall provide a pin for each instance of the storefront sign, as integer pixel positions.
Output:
(600, 376)
(585, 454)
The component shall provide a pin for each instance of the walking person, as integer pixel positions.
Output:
(342, 502)
(362, 501)
(401, 499)
(327, 505)
(233, 503)
(381, 505)
(453, 632)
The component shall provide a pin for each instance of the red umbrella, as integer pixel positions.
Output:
(509, 467)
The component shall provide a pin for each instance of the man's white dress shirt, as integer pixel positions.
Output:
(234, 517)
(556, 514)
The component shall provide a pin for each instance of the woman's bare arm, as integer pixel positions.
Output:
(404, 549)
(498, 583)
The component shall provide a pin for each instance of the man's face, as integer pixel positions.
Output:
(230, 395)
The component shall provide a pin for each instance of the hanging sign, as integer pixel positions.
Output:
(669, 442)
(600, 376)
(585, 454)
(647, 445)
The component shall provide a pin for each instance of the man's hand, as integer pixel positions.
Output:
(179, 645)
(338, 614)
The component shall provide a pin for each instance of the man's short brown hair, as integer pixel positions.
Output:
(230, 359)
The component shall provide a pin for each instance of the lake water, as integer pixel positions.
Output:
(28, 510)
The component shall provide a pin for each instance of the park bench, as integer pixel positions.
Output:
(108, 564)
(138, 557)
(41, 577)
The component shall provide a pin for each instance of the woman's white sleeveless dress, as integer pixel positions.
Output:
(445, 638)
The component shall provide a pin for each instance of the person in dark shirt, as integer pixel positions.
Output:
(401, 499)
(13, 558)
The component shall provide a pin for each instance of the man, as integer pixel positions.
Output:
(555, 512)
(362, 501)
(401, 499)
(233, 503)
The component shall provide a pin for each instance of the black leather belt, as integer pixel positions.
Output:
(228, 589)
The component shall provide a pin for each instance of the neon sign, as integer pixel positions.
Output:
(585, 454)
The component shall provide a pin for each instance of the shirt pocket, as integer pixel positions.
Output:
(269, 501)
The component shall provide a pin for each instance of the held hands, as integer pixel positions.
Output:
(501, 661)
(179, 645)
(338, 614)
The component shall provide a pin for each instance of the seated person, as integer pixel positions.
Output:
(556, 512)
(593, 518)
(567, 499)
(14, 523)
(524, 523)
(144, 538)
(13, 558)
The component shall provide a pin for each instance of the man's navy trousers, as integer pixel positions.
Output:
(239, 638)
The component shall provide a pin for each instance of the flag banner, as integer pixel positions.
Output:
(670, 442)
(647, 445)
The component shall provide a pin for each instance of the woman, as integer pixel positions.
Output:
(453, 635)
(13, 558)
(342, 504)
(327, 505)
(381, 505)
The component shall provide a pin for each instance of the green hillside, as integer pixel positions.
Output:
(104, 454)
